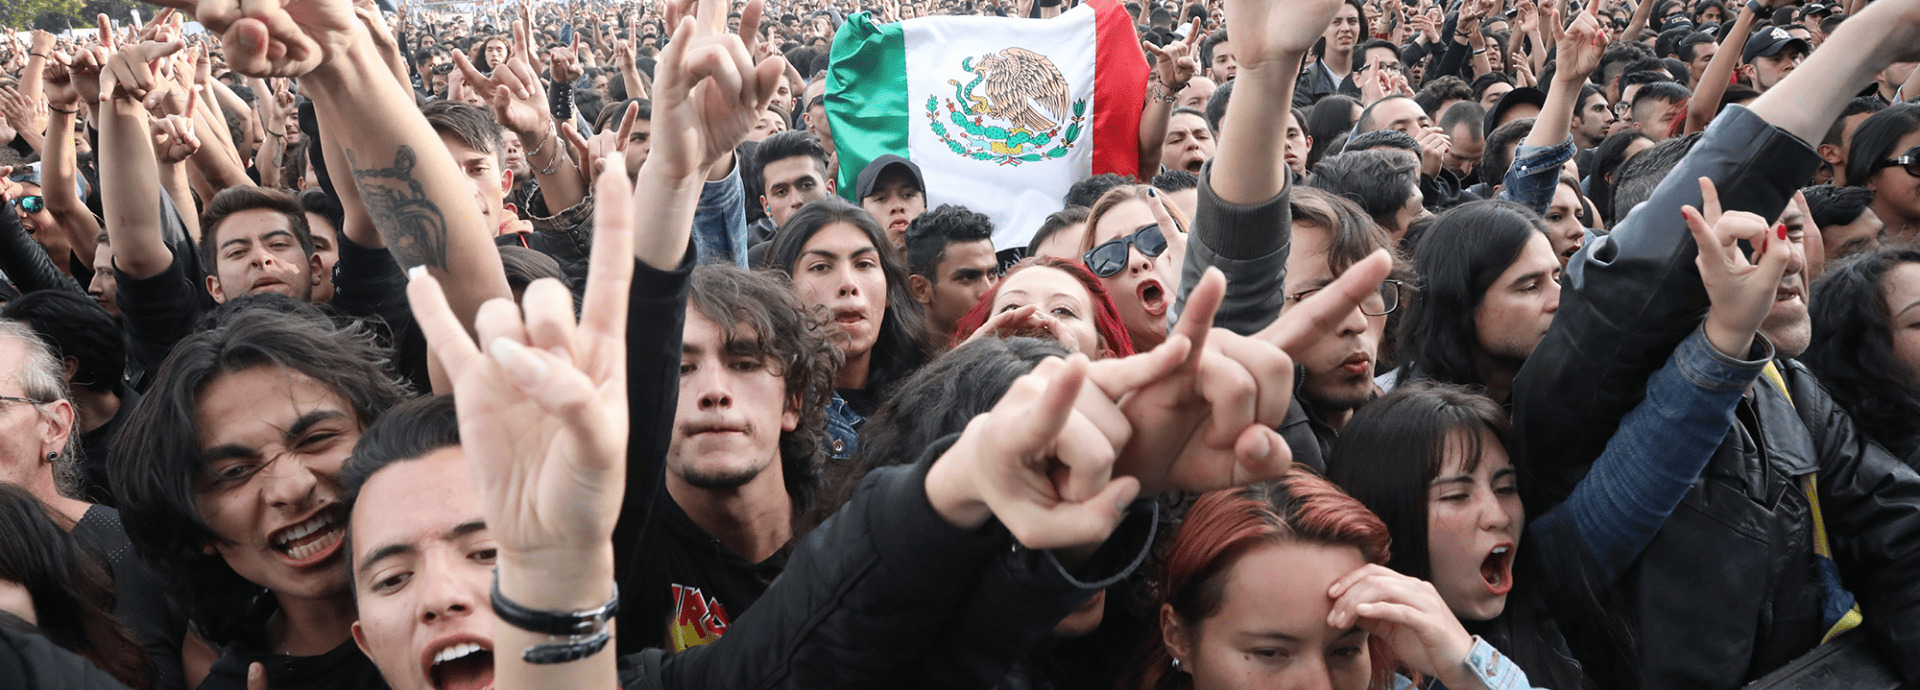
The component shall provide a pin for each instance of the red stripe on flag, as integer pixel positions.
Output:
(1119, 90)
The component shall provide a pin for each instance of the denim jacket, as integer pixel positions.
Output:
(1535, 172)
(720, 222)
(843, 429)
(1653, 459)
(1493, 669)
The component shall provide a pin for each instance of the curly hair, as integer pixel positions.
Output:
(158, 463)
(1852, 350)
(760, 309)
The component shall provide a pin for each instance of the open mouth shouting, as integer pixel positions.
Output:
(1497, 569)
(311, 541)
(463, 664)
(1153, 297)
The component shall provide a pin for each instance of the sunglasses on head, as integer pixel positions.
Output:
(1909, 161)
(30, 204)
(1110, 257)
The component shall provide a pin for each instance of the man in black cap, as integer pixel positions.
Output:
(892, 189)
(1770, 56)
(1518, 104)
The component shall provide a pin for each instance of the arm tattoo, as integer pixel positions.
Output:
(411, 224)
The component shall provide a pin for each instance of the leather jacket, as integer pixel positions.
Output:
(1727, 590)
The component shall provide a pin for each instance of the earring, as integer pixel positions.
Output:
(1176, 666)
(53, 456)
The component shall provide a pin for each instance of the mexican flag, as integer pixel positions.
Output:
(1002, 115)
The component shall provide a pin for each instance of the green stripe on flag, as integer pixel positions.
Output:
(867, 96)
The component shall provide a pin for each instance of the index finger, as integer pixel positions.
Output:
(626, 125)
(193, 100)
(1321, 313)
(1196, 318)
(106, 32)
(712, 18)
(603, 310)
(1709, 200)
(446, 338)
(466, 67)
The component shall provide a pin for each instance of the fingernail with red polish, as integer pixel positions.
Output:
(1763, 245)
(1781, 230)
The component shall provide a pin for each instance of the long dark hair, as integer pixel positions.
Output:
(1387, 456)
(934, 402)
(1330, 118)
(1607, 158)
(1458, 259)
(903, 345)
(1852, 349)
(72, 590)
(157, 462)
(1875, 139)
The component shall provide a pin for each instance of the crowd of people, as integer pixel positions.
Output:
(1467, 344)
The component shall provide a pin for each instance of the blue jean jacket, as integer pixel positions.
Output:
(1535, 172)
(843, 424)
(1647, 467)
(1493, 669)
(720, 222)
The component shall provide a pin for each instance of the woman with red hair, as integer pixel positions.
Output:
(1053, 298)
(1283, 585)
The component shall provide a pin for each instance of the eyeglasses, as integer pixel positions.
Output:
(1393, 67)
(1910, 162)
(23, 401)
(30, 204)
(1110, 257)
(1380, 303)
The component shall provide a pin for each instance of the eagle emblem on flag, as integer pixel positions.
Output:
(1012, 111)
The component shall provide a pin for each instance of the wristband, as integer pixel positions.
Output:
(575, 635)
(1759, 11)
(75, 111)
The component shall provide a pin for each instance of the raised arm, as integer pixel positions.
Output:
(1663, 444)
(1242, 223)
(1632, 296)
(129, 189)
(1641, 14)
(1705, 102)
(519, 103)
(1173, 67)
(413, 190)
(1535, 170)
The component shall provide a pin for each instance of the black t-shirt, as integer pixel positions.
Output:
(341, 668)
(690, 587)
(139, 599)
(96, 445)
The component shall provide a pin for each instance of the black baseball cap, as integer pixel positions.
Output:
(863, 187)
(1770, 42)
(1524, 95)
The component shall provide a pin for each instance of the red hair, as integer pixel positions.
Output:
(1222, 526)
(1106, 317)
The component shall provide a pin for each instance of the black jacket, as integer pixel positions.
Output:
(28, 660)
(1315, 83)
(1727, 590)
(885, 592)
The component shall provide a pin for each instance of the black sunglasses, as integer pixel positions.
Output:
(1910, 161)
(30, 204)
(1110, 257)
